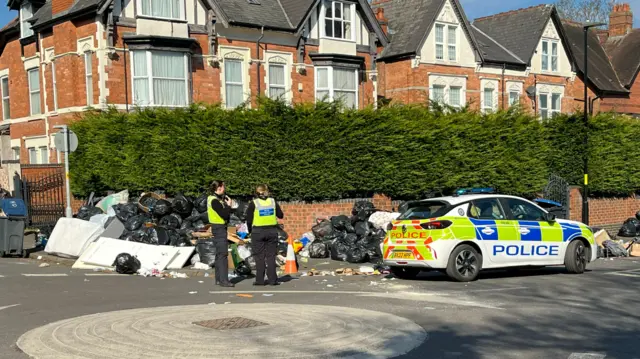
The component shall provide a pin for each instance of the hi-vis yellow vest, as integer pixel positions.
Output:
(265, 213)
(214, 217)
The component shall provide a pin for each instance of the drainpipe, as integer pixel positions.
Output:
(258, 54)
(124, 57)
(504, 67)
(591, 102)
(535, 97)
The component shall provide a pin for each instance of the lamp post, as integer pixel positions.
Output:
(585, 187)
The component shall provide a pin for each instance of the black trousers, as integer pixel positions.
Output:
(264, 244)
(221, 263)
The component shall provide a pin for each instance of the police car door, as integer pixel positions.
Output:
(491, 224)
(540, 240)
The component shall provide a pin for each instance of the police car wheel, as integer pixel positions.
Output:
(405, 272)
(464, 264)
(576, 258)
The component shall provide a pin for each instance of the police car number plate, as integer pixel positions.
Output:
(402, 255)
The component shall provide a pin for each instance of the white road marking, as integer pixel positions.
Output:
(46, 275)
(9, 306)
(587, 356)
(105, 275)
(1, 276)
(494, 290)
(624, 271)
(636, 275)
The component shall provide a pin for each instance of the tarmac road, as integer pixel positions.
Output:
(542, 313)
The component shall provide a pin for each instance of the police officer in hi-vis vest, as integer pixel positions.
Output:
(219, 211)
(262, 221)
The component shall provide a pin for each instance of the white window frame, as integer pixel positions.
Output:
(460, 96)
(485, 107)
(551, 111)
(43, 151)
(330, 84)
(6, 103)
(34, 154)
(333, 19)
(149, 77)
(432, 95)
(227, 82)
(55, 85)
(513, 102)
(31, 91)
(151, 2)
(549, 56)
(16, 153)
(88, 77)
(23, 21)
(446, 43)
(271, 85)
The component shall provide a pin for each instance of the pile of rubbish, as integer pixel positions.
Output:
(355, 239)
(155, 228)
(626, 243)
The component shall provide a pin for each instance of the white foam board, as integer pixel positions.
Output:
(80, 264)
(184, 253)
(150, 256)
(71, 236)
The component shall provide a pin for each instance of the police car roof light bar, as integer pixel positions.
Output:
(482, 190)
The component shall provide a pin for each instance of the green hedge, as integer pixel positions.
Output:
(322, 152)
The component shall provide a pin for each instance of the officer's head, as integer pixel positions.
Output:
(217, 187)
(262, 191)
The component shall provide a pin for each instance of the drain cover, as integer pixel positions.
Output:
(230, 323)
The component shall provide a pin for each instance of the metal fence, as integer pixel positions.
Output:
(43, 193)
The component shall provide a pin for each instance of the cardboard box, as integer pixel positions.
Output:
(601, 236)
(634, 250)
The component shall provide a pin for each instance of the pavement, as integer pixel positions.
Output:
(57, 312)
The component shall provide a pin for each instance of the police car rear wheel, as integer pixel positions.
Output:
(464, 264)
(405, 272)
(576, 258)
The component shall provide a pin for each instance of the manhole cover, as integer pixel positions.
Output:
(230, 323)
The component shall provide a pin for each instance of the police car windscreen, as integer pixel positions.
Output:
(426, 209)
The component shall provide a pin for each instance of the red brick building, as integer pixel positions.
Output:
(60, 57)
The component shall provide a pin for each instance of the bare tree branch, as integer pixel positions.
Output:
(585, 10)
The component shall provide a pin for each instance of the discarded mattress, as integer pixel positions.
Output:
(105, 251)
(71, 236)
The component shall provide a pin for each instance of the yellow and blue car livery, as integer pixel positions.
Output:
(505, 241)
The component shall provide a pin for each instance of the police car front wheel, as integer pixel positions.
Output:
(576, 257)
(464, 264)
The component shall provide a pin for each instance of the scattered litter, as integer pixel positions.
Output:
(429, 308)
(99, 269)
(200, 265)
(330, 285)
(193, 292)
(373, 283)
(44, 265)
(227, 302)
(267, 295)
(367, 269)
(86, 280)
(178, 275)
(232, 276)
(384, 279)
(325, 280)
(212, 303)
(125, 263)
(324, 263)
(144, 272)
(39, 257)
(206, 275)
(242, 295)
(200, 281)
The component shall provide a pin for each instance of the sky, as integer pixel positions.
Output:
(473, 8)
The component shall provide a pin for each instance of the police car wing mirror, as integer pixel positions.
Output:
(549, 217)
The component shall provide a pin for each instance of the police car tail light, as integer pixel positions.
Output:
(436, 225)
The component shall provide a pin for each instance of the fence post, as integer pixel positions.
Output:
(17, 186)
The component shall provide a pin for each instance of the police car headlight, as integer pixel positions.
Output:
(436, 225)
(389, 226)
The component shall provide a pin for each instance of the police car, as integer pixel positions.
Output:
(466, 233)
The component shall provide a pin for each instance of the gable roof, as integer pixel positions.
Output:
(519, 30)
(492, 51)
(410, 21)
(624, 51)
(44, 16)
(269, 13)
(601, 72)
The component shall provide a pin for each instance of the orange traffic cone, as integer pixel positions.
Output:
(290, 266)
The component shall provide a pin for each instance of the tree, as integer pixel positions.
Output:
(585, 10)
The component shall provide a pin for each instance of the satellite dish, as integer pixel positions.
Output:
(531, 91)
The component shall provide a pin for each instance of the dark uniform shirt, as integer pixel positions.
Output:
(252, 208)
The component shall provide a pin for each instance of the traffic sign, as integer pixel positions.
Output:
(58, 140)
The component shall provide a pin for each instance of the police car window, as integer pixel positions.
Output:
(523, 211)
(424, 210)
(487, 208)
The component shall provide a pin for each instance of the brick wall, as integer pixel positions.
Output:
(623, 104)
(299, 217)
(604, 212)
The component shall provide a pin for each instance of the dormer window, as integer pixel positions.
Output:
(26, 13)
(164, 9)
(338, 17)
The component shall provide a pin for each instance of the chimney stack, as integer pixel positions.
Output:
(620, 20)
(60, 5)
(382, 20)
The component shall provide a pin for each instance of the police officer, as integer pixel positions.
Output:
(262, 222)
(218, 212)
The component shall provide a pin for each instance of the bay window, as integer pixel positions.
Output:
(234, 87)
(277, 84)
(4, 93)
(337, 84)
(26, 13)
(167, 9)
(338, 17)
(33, 76)
(160, 78)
